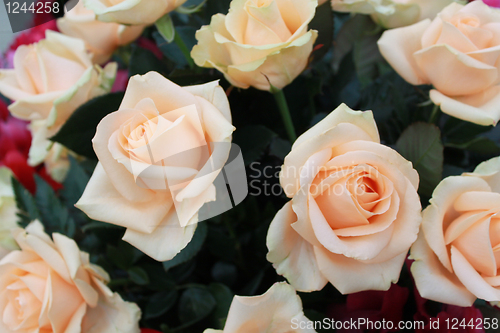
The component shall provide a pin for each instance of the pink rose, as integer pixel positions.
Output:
(457, 254)
(50, 286)
(354, 211)
(458, 53)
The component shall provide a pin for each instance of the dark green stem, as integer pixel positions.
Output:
(434, 115)
(185, 51)
(279, 96)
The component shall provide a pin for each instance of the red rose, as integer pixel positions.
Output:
(33, 35)
(15, 142)
(148, 330)
(372, 305)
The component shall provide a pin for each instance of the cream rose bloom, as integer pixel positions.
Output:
(8, 212)
(354, 212)
(135, 12)
(458, 53)
(258, 40)
(101, 38)
(50, 286)
(393, 13)
(157, 120)
(50, 80)
(457, 254)
(278, 310)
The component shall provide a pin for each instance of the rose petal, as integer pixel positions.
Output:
(455, 73)
(168, 239)
(481, 108)
(441, 203)
(291, 255)
(433, 280)
(398, 46)
(471, 278)
(101, 201)
(350, 275)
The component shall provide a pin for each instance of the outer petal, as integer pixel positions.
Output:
(455, 73)
(112, 314)
(291, 255)
(404, 14)
(270, 312)
(101, 201)
(350, 275)
(342, 114)
(490, 172)
(64, 303)
(168, 239)
(280, 68)
(433, 280)
(166, 95)
(441, 204)
(135, 12)
(398, 46)
(482, 108)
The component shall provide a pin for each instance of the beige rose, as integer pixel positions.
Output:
(50, 286)
(50, 80)
(157, 120)
(458, 53)
(278, 310)
(457, 254)
(258, 40)
(135, 12)
(393, 13)
(8, 212)
(354, 211)
(101, 38)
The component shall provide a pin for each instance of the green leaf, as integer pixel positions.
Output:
(480, 145)
(75, 182)
(421, 144)
(280, 148)
(253, 141)
(191, 249)
(223, 297)
(190, 10)
(366, 58)
(122, 255)
(26, 205)
(172, 50)
(225, 272)
(143, 61)
(354, 29)
(54, 215)
(138, 275)
(80, 128)
(195, 304)
(166, 28)
(323, 23)
(458, 131)
(160, 303)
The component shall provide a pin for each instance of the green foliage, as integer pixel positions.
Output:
(78, 131)
(191, 249)
(195, 304)
(26, 205)
(421, 144)
(253, 140)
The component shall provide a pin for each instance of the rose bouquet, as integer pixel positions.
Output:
(245, 166)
